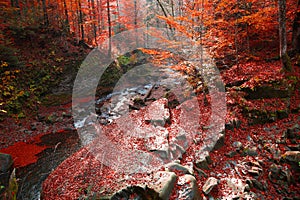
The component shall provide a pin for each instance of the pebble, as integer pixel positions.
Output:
(238, 145)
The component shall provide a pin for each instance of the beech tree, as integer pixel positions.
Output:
(282, 36)
(46, 19)
(109, 27)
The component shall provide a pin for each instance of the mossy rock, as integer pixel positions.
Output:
(266, 92)
(274, 89)
(6, 167)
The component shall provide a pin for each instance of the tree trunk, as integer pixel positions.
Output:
(46, 20)
(162, 8)
(67, 23)
(286, 64)
(172, 8)
(94, 21)
(109, 28)
(81, 20)
(296, 30)
(136, 23)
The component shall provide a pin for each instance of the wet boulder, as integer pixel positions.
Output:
(6, 167)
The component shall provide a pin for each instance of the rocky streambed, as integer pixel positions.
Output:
(163, 149)
(154, 150)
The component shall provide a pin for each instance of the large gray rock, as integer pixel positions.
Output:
(188, 188)
(6, 167)
(164, 183)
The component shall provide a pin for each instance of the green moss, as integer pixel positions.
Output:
(123, 60)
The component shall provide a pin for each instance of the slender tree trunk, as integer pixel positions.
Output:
(162, 8)
(94, 21)
(102, 16)
(118, 15)
(165, 14)
(67, 22)
(135, 14)
(236, 43)
(81, 20)
(296, 30)
(180, 6)
(172, 8)
(78, 21)
(286, 65)
(109, 28)
(46, 19)
(99, 17)
(136, 22)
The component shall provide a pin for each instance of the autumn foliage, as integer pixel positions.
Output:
(234, 30)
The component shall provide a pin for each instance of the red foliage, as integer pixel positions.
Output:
(253, 73)
(24, 153)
